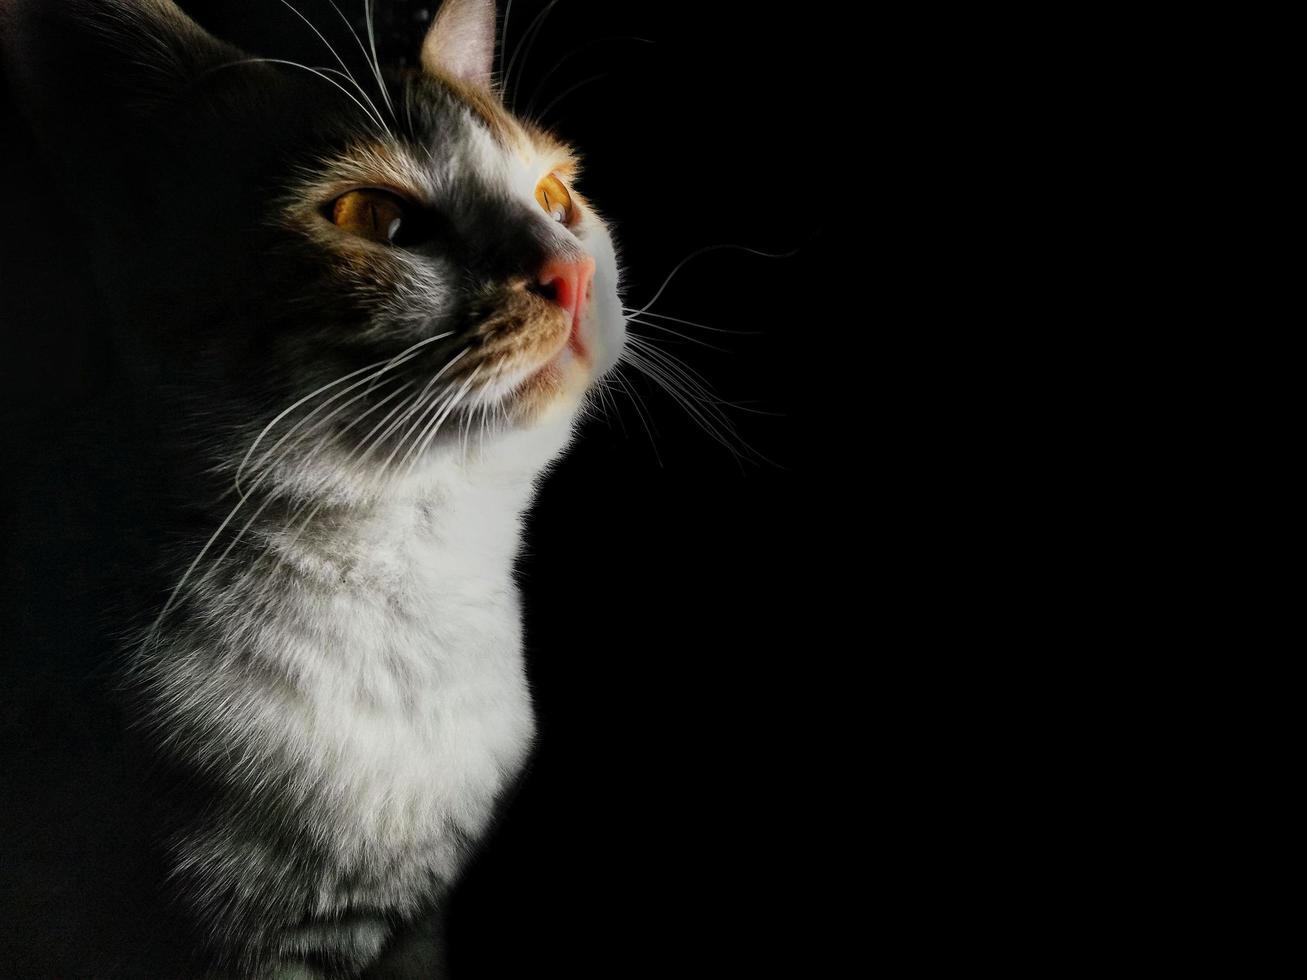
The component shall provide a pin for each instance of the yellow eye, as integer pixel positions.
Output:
(552, 195)
(372, 214)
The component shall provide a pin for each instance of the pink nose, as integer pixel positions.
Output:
(567, 282)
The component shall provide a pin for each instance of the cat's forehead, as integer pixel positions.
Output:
(454, 135)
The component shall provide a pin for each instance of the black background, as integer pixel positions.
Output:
(691, 684)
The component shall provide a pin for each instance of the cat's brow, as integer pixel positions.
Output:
(547, 146)
(378, 161)
(566, 165)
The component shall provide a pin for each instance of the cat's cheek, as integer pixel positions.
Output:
(573, 374)
(605, 326)
(609, 329)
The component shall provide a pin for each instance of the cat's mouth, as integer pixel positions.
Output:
(530, 353)
(561, 370)
(524, 334)
(523, 356)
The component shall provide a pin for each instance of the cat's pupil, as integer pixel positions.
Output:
(369, 213)
(554, 199)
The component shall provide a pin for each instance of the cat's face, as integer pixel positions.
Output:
(465, 222)
(444, 237)
(323, 271)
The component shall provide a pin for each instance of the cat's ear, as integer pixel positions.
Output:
(461, 42)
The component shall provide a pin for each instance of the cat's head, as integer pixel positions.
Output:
(391, 257)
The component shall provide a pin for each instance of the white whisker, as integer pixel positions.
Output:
(403, 439)
(635, 400)
(703, 251)
(372, 43)
(359, 41)
(453, 403)
(527, 41)
(321, 73)
(677, 333)
(631, 312)
(544, 113)
(540, 85)
(347, 73)
(689, 390)
(402, 357)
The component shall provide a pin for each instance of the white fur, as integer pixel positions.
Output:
(367, 683)
(355, 684)
(364, 679)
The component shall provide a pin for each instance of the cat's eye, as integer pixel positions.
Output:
(553, 196)
(373, 214)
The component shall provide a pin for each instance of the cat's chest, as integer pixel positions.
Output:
(362, 700)
(411, 708)
(383, 680)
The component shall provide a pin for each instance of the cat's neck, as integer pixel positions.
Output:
(374, 589)
(458, 517)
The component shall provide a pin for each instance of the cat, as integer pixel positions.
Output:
(352, 317)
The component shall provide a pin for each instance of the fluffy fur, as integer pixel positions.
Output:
(329, 666)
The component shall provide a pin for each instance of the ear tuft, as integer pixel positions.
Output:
(461, 42)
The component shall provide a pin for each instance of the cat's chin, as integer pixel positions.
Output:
(558, 385)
